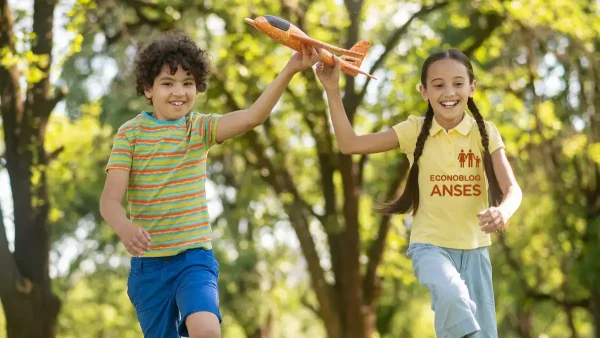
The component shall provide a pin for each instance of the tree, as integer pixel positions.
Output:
(25, 289)
(25, 285)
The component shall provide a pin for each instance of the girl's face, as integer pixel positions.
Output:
(448, 90)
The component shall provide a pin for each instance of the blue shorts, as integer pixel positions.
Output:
(460, 283)
(165, 290)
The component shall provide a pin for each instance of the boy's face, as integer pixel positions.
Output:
(172, 96)
(448, 90)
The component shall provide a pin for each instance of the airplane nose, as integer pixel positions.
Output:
(249, 21)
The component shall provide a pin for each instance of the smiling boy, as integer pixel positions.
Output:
(159, 160)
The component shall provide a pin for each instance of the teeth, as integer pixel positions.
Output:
(449, 103)
(177, 103)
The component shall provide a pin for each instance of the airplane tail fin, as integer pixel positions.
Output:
(351, 65)
(361, 47)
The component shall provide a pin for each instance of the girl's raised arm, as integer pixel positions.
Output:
(348, 141)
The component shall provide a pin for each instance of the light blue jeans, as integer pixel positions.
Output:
(460, 283)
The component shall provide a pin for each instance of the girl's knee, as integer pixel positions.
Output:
(453, 295)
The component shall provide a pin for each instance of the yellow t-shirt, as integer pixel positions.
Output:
(452, 182)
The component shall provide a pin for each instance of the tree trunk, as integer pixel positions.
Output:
(31, 314)
(30, 307)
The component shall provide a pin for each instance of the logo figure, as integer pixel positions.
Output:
(469, 158)
(462, 157)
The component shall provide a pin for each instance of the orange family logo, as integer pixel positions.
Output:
(459, 185)
(469, 157)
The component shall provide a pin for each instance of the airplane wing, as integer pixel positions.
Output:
(326, 46)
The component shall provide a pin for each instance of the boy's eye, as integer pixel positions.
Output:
(438, 85)
(189, 84)
(459, 84)
(166, 83)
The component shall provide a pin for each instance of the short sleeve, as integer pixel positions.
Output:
(495, 140)
(121, 155)
(407, 133)
(207, 125)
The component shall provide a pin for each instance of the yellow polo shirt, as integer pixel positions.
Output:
(452, 181)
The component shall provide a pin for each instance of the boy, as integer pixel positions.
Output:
(159, 158)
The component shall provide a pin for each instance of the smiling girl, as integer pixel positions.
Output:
(460, 189)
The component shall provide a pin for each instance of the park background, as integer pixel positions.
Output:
(301, 252)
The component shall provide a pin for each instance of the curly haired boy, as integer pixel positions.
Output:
(159, 159)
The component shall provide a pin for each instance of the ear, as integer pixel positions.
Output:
(472, 91)
(148, 93)
(423, 91)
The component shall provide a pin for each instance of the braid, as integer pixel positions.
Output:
(409, 200)
(424, 133)
(495, 193)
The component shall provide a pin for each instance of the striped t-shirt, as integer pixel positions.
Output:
(166, 161)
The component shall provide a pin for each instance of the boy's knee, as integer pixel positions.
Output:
(203, 325)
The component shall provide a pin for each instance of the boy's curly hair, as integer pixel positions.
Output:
(172, 49)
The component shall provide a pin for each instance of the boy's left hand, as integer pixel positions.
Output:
(493, 219)
(303, 60)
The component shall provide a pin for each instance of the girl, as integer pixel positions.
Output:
(457, 163)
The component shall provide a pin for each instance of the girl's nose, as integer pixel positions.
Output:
(449, 90)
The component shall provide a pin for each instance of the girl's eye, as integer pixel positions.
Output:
(189, 84)
(166, 84)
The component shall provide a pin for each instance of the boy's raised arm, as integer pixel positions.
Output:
(348, 141)
(241, 121)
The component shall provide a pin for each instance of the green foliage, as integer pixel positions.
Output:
(536, 72)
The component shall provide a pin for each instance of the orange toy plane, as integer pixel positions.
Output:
(291, 36)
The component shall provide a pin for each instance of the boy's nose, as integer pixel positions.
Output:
(178, 91)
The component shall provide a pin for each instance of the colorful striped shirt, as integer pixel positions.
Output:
(166, 161)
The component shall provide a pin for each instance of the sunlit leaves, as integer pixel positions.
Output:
(8, 58)
(33, 64)
(35, 75)
(574, 145)
(546, 239)
(594, 152)
(548, 118)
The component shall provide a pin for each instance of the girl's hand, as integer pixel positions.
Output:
(493, 219)
(329, 75)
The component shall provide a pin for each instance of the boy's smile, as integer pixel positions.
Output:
(172, 95)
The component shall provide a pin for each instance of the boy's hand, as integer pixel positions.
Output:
(329, 75)
(304, 60)
(136, 239)
(493, 219)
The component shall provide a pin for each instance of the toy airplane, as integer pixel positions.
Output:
(291, 36)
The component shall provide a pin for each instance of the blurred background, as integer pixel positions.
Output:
(301, 252)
